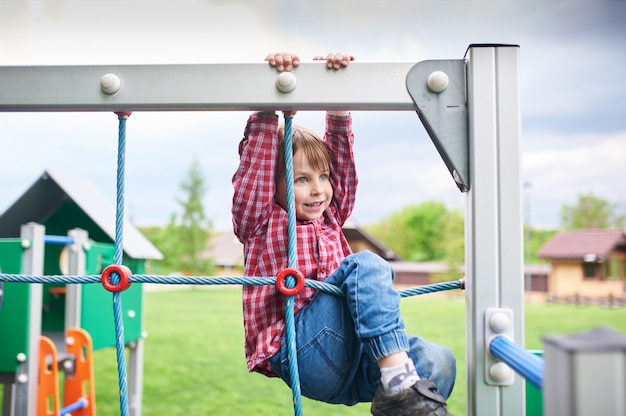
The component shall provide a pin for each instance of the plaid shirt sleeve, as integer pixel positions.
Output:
(339, 141)
(253, 181)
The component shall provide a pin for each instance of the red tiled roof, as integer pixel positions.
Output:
(576, 244)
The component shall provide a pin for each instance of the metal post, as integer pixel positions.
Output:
(528, 276)
(585, 374)
(493, 241)
(135, 375)
(26, 379)
(77, 267)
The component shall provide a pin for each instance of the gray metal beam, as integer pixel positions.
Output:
(204, 87)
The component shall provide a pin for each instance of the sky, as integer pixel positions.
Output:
(572, 89)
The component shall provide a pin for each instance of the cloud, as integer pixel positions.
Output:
(583, 164)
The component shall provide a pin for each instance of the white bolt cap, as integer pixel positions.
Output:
(131, 313)
(22, 379)
(69, 341)
(110, 83)
(21, 357)
(26, 243)
(286, 82)
(499, 322)
(438, 81)
(500, 372)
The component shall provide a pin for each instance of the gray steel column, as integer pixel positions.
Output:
(25, 392)
(493, 253)
(77, 267)
(135, 375)
(585, 373)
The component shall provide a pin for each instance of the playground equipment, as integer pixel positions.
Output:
(39, 316)
(79, 389)
(470, 108)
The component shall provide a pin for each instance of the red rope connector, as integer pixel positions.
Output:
(122, 271)
(289, 291)
(123, 114)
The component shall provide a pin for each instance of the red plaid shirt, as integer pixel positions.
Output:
(261, 225)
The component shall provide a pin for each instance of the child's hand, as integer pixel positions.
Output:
(336, 60)
(283, 61)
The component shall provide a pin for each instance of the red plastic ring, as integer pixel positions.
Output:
(123, 114)
(280, 282)
(122, 271)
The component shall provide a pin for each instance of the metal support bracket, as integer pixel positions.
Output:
(438, 89)
(499, 322)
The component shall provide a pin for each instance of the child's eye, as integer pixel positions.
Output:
(301, 180)
(324, 176)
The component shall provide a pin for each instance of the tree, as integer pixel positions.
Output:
(591, 212)
(419, 232)
(186, 236)
(454, 239)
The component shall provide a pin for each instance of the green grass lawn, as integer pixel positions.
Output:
(195, 365)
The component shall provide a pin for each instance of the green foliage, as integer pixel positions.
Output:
(536, 239)
(431, 232)
(454, 239)
(186, 235)
(591, 211)
(194, 229)
(424, 232)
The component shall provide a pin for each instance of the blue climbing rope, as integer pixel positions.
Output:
(293, 263)
(117, 259)
(214, 280)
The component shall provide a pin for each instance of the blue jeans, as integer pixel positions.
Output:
(340, 339)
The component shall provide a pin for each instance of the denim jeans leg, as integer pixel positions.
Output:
(340, 339)
(328, 351)
(367, 282)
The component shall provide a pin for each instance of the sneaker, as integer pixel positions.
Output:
(421, 399)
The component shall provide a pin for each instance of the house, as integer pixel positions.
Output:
(226, 254)
(587, 264)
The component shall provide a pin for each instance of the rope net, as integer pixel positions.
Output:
(116, 278)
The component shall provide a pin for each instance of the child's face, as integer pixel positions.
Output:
(312, 189)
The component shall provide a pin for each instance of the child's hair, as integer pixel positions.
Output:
(313, 147)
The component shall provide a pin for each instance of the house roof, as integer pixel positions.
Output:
(354, 232)
(595, 245)
(225, 250)
(54, 191)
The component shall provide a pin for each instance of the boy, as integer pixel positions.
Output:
(350, 349)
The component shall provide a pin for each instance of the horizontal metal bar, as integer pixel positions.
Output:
(205, 87)
(58, 239)
(523, 362)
